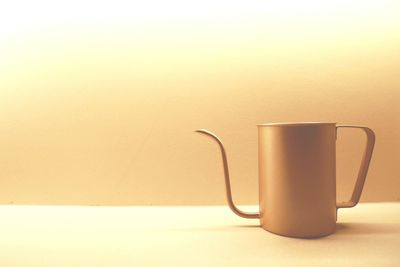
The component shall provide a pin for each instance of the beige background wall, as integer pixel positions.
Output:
(98, 103)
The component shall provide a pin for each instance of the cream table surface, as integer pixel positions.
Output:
(367, 235)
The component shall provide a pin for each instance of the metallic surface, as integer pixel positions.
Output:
(297, 177)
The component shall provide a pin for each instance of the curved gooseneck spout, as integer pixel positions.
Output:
(237, 211)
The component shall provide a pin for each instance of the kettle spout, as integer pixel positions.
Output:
(227, 178)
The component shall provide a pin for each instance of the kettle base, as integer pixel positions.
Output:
(300, 235)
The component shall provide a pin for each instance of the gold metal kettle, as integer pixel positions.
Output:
(297, 177)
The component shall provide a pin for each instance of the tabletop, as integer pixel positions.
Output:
(367, 235)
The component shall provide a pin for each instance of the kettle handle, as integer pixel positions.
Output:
(362, 173)
(248, 215)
